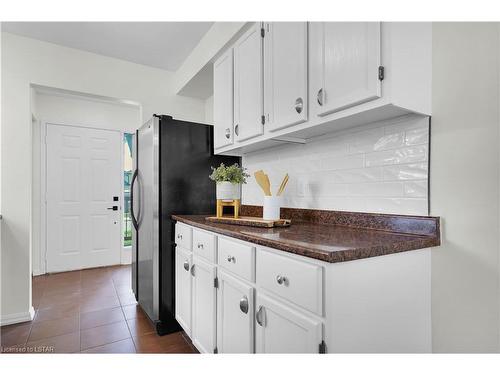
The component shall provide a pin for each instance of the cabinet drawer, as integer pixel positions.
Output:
(204, 244)
(183, 235)
(297, 281)
(236, 257)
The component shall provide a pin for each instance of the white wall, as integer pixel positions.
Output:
(464, 187)
(380, 167)
(27, 61)
(78, 111)
(87, 112)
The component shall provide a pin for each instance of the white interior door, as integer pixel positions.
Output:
(84, 173)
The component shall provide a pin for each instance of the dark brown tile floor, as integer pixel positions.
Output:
(89, 311)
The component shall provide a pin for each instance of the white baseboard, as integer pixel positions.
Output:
(26, 316)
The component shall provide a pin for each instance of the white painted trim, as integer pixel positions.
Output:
(43, 187)
(26, 316)
(126, 255)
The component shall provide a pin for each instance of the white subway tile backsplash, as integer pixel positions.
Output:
(417, 136)
(380, 167)
(417, 171)
(358, 175)
(405, 206)
(416, 189)
(342, 162)
(403, 155)
(377, 189)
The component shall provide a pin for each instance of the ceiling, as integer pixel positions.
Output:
(163, 45)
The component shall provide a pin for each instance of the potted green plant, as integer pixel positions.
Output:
(229, 180)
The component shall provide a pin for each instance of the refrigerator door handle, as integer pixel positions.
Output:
(132, 213)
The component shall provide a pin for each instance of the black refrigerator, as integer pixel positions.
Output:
(172, 161)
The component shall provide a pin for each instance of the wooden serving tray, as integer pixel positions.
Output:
(250, 221)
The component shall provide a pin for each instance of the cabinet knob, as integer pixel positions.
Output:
(228, 133)
(244, 305)
(200, 246)
(192, 270)
(260, 316)
(179, 236)
(231, 259)
(237, 129)
(299, 104)
(320, 97)
(186, 265)
(281, 279)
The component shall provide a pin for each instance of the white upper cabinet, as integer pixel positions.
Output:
(294, 81)
(285, 74)
(345, 63)
(223, 100)
(248, 85)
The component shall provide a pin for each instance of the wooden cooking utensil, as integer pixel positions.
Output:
(283, 185)
(263, 181)
(267, 185)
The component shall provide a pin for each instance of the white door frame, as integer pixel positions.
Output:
(43, 187)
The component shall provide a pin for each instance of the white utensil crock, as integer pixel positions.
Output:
(272, 205)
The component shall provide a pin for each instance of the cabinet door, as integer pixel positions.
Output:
(183, 261)
(235, 312)
(223, 100)
(204, 308)
(344, 64)
(248, 85)
(281, 329)
(285, 74)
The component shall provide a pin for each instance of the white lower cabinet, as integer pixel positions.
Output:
(235, 315)
(204, 305)
(234, 296)
(281, 329)
(183, 285)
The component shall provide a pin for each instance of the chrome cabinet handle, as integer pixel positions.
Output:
(200, 246)
(228, 133)
(299, 104)
(186, 265)
(237, 129)
(260, 316)
(192, 270)
(281, 279)
(244, 305)
(320, 97)
(231, 259)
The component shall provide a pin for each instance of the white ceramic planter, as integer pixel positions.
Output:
(228, 191)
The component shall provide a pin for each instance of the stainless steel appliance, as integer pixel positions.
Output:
(172, 161)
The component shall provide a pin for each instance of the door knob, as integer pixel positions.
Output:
(299, 104)
(244, 305)
(320, 97)
(259, 317)
(114, 208)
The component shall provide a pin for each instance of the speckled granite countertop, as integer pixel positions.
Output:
(332, 236)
